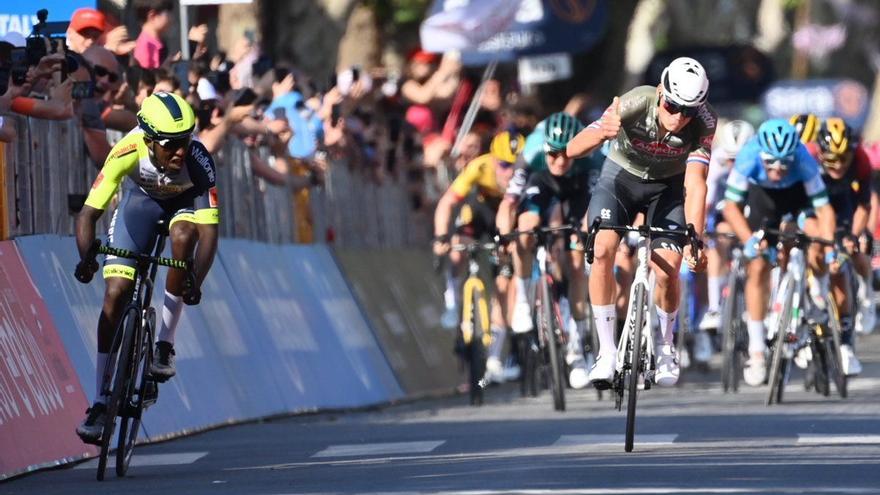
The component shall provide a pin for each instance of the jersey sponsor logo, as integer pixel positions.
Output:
(656, 148)
(706, 116)
(533, 191)
(605, 213)
(213, 198)
(125, 150)
(204, 160)
(98, 180)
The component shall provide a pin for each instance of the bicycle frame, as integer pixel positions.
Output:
(641, 278)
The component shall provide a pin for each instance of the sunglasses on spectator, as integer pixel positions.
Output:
(773, 163)
(101, 71)
(674, 108)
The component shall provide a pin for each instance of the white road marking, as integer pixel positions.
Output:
(380, 448)
(151, 460)
(639, 491)
(838, 439)
(568, 440)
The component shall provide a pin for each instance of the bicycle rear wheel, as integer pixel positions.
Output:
(134, 399)
(550, 338)
(124, 339)
(775, 377)
(635, 365)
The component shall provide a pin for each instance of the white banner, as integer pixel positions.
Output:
(464, 24)
(544, 68)
(212, 2)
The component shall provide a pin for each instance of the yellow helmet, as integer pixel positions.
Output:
(835, 136)
(506, 146)
(807, 126)
(166, 116)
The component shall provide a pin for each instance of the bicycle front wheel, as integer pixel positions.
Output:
(125, 340)
(776, 376)
(133, 400)
(551, 332)
(477, 353)
(831, 344)
(635, 364)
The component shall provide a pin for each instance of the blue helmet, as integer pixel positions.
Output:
(778, 138)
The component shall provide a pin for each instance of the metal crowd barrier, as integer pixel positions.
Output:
(46, 174)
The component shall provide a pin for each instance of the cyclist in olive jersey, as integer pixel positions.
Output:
(171, 178)
(661, 140)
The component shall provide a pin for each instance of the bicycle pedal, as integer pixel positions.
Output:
(602, 385)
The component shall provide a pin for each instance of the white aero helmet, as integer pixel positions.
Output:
(733, 136)
(685, 82)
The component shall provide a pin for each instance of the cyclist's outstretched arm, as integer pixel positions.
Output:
(589, 139)
(695, 196)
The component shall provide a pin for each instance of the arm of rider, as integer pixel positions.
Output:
(694, 209)
(206, 249)
(85, 237)
(860, 220)
(733, 215)
(827, 226)
(505, 215)
(589, 139)
(442, 215)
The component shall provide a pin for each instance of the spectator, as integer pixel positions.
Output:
(166, 81)
(470, 148)
(89, 111)
(114, 97)
(86, 28)
(155, 18)
(286, 95)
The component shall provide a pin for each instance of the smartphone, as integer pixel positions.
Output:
(355, 73)
(245, 97)
(335, 114)
(18, 66)
(83, 90)
(279, 113)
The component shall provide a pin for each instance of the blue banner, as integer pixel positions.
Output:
(844, 98)
(541, 27)
(20, 17)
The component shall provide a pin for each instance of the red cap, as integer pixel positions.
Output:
(419, 55)
(88, 18)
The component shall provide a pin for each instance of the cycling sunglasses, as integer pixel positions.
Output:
(174, 144)
(101, 71)
(772, 163)
(674, 108)
(833, 161)
(554, 154)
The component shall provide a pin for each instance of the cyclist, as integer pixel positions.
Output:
(476, 194)
(774, 175)
(846, 171)
(661, 145)
(557, 192)
(729, 141)
(171, 178)
(806, 125)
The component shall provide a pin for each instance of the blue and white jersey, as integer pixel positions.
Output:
(748, 171)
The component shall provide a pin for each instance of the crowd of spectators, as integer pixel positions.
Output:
(386, 124)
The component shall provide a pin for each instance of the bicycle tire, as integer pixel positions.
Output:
(820, 370)
(120, 384)
(774, 377)
(728, 343)
(635, 365)
(551, 339)
(477, 353)
(140, 367)
(833, 358)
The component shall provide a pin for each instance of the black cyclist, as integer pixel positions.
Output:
(171, 177)
(660, 145)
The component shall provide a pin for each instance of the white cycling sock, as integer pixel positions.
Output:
(667, 324)
(103, 357)
(576, 335)
(170, 317)
(715, 286)
(605, 318)
(757, 336)
(522, 295)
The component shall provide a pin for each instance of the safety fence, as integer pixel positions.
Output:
(46, 174)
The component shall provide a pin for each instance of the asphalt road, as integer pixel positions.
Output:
(690, 439)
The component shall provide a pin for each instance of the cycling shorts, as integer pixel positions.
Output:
(134, 225)
(544, 192)
(619, 196)
(769, 206)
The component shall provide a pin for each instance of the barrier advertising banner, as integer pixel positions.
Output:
(41, 400)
